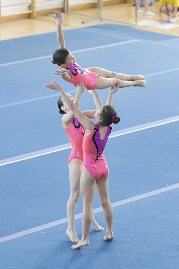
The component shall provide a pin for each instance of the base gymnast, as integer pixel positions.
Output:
(95, 168)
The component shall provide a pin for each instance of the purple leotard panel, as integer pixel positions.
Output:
(93, 157)
(83, 75)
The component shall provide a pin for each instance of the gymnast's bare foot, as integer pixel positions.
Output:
(139, 77)
(96, 226)
(81, 244)
(141, 83)
(72, 235)
(109, 236)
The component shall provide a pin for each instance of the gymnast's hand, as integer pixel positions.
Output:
(80, 87)
(63, 73)
(53, 86)
(114, 89)
(58, 17)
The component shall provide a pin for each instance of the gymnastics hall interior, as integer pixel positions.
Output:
(142, 150)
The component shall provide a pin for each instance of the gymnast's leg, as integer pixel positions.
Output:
(110, 74)
(103, 83)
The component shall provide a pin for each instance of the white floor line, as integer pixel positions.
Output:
(72, 91)
(30, 100)
(36, 99)
(172, 39)
(79, 216)
(82, 50)
(75, 51)
(78, 51)
(35, 154)
(144, 126)
(39, 153)
(162, 72)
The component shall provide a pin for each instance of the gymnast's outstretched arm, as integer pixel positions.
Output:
(86, 122)
(111, 91)
(60, 37)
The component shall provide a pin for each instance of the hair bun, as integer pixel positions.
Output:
(116, 120)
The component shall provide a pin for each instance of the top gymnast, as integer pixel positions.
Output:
(93, 77)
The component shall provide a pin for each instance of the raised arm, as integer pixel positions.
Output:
(91, 113)
(96, 98)
(111, 91)
(69, 116)
(87, 123)
(60, 37)
(80, 89)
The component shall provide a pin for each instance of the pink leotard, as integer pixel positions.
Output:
(93, 157)
(83, 75)
(75, 134)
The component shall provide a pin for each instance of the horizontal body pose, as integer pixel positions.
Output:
(75, 132)
(95, 168)
(169, 8)
(93, 77)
